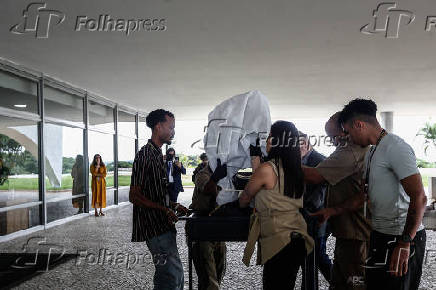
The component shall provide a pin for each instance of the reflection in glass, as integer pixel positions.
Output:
(19, 219)
(101, 116)
(61, 105)
(78, 175)
(18, 161)
(18, 93)
(103, 144)
(63, 152)
(126, 155)
(62, 209)
(126, 124)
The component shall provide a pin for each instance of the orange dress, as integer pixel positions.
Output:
(98, 186)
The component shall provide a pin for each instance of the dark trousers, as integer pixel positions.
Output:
(378, 277)
(348, 271)
(210, 264)
(318, 259)
(280, 272)
(173, 193)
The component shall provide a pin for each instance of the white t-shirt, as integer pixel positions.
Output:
(393, 161)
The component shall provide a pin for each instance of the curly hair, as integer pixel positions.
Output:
(363, 109)
(157, 116)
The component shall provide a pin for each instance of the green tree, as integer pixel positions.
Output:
(67, 164)
(429, 134)
(16, 157)
(125, 164)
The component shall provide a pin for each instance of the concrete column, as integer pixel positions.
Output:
(387, 121)
(432, 187)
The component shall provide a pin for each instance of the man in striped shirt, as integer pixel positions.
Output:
(153, 213)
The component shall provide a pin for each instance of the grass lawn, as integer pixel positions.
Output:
(67, 183)
(123, 180)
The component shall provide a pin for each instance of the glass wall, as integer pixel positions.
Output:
(20, 200)
(63, 106)
(65, 137)
(102, 143)
(18, 94)
(17, 219)
(126, 152)
(18, 161)
(101, 117)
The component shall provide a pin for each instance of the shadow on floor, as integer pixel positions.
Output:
(16, 268)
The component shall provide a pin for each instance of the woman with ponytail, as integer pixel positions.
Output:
(277, 187)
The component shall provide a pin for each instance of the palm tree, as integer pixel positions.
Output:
(429, 134)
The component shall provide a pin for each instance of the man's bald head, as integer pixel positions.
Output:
(332, 127)
(334, 131)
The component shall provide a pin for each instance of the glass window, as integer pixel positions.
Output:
(61, 105)
(102, 144)
(64, 208)
(18, 161)
(18, 93)
(101, 116)
(126, 124)
(126, 155)
(19, 219)
(64, 164)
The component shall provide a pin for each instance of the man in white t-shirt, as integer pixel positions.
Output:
(396, 199)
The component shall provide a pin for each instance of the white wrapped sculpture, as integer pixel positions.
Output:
(232, 126)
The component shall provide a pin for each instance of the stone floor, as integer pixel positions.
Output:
(133, 268)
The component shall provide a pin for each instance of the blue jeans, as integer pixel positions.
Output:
(168, 267)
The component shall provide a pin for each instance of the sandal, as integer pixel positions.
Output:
(102, 214)
(96, 214)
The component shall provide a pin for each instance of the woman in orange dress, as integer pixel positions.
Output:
(98, 184)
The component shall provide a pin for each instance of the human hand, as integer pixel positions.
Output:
(181, 210)
(255, 150)
(220, 171)
(172, 217)
(400, 259)
(323, 215)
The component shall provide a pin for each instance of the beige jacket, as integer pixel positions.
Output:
(276, 217)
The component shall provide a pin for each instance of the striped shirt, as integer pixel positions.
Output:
(150, 175)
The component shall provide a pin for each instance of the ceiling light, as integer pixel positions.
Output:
(20, 106)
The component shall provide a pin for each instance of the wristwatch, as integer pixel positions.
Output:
(405, 238)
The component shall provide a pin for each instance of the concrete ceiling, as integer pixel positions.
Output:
(307, 56)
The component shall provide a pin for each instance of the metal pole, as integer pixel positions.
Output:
(86, 152)
(116, 155)
(190, 261)
(136, 132)
(41, 153)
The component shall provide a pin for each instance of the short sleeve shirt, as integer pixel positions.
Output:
(343, 170)
(392, 161)
(150, 175)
